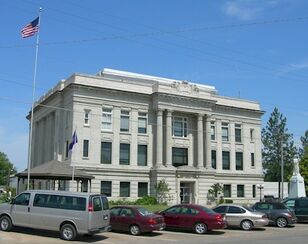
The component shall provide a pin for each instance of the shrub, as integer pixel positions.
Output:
(146, 200)
(228, 201)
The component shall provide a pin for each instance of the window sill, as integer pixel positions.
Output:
(125, 133)
(106, 131)
(86, 125)
(85, 158)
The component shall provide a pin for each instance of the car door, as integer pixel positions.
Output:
(171, 216)
(187, 217)
(20, 210)
(126, 218)
(234, 216)
(264, 208)
(115, 218)
(301, 209)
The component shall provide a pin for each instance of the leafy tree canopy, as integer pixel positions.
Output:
(304, 141)
(303, 165)
(6, 168)
(277, 139)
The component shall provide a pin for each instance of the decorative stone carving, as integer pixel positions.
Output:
(185, 88)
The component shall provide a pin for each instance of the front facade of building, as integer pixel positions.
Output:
(136, 130)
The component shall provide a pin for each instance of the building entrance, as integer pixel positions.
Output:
(187, 192)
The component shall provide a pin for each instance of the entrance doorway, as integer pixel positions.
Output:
(187, 192)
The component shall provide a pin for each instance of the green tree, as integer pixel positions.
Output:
(162, 192)
(303, 164)
(6, 169)
(214, 191)
(277, 139)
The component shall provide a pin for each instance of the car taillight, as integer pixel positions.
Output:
(152, 221)
(90, 206)
(218, 217)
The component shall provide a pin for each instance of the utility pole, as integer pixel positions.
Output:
(282, 170)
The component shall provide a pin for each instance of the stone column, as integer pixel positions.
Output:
(208, 161)
(134, 138)
(169, 139)
(159, 138)
(200, 141)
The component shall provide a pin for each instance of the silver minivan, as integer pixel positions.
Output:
(71, 213)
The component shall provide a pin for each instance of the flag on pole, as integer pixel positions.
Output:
(73, 142)
(30, 29)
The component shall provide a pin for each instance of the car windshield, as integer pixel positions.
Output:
(144, 212)
(208, 210)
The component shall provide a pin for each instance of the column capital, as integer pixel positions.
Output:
(208, 116)
(169, 112)
(159, 112)
(200, 115)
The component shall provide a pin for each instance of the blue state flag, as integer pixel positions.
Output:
(73, 142)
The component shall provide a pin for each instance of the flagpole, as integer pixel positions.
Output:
(33, 100)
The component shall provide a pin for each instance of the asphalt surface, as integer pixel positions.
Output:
(269, 235)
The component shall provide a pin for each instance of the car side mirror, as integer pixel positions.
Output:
(12, 201)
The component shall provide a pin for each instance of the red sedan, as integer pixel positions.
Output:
(135, 220)
(194, 217)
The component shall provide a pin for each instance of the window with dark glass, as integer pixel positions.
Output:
(124, 189)
(142, 123)
(107, 118)
(124, 154)
(106, 152)
(254, 191)
(124, 121)
(213, 159)
(252, 156)
(179, 156)
(142, 155)
(252, 131)
(86, 117)
(22, 199)
(179, 125)
(106, 187)
(225, 132)
(240, 191)
(85, 148)
(227, 190)
(66, 149)
(225, 160)
(142, 189)
(238, 133)
(239, 160)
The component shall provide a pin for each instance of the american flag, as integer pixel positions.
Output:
(30, 29)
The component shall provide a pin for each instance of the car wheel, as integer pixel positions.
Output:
(134, 230)
(68, 232)
(5, 223)
(200, 228)
(281, 222)
(246, 225)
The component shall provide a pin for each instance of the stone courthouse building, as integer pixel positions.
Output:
(134, 130)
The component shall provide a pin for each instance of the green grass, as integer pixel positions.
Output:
(152, 208)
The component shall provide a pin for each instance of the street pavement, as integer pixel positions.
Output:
(269, 235)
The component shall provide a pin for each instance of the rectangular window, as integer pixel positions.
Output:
(142, 189)
(227, 190)
(252, 156)
(225, 132)
(238, 133)
(252, 132)
(106, 187)
(239, 160)
(142, 123)
(124, 189)
(106, 152)
(85, 153)
(179, 126)
(179, 156)
(87, 117)
(142, 155)
(213, 131)
(225, 160)
(66, 149)
(214, 159)
(107, 119)
(124, 121)
(124, 153)
(254, 191)
(240, 191)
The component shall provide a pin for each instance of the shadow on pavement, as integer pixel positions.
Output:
(149, 234)
(254, 229)
(55, 234)
(211, 232)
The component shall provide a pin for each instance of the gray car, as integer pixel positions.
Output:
(278, 213)
(70, 213)
(238, 216)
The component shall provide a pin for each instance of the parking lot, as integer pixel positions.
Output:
(297, 234)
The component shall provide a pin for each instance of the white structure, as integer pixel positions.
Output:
(272, 189)
(297, 184)
(135, 130)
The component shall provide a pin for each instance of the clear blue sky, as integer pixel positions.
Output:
(266, 61)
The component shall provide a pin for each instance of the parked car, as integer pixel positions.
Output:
(71, 213)
(238, 216)
(299, 206)
(135, 220)
(278, 213)
(198, 218)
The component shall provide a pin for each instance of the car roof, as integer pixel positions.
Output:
(66, 193)
(229, 205)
